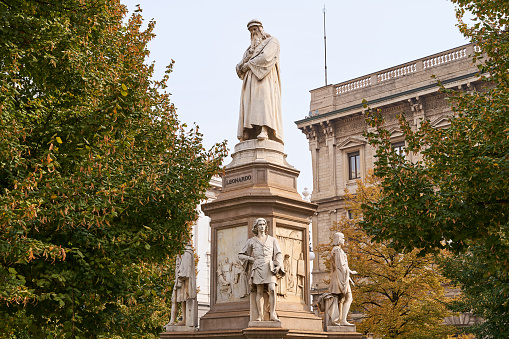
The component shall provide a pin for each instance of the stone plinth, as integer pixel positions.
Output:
(250, 151)
(341, 328)
(261, 333)
(265, 324)
(175, 328)
(264, 333)
(258, 183)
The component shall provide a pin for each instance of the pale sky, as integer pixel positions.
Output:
(208, 38)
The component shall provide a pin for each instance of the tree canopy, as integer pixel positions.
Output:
(457, 196)
(99, 180)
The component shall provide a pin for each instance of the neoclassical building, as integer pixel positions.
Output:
(340, 154)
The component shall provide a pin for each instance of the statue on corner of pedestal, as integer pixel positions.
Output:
(184, 293)
(263, 260)
(336, 303)
(260, 102)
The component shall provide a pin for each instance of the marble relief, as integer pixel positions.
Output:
(290, 287)
(232, 280)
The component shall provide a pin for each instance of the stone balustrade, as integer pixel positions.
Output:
(392, 83)
(443, 58)
(353, 85)
(397, 72)
(405, 69)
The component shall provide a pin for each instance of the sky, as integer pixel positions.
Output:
(208, 38)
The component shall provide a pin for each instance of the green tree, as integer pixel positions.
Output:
(400, 295)
(457, 196)
(99, 181)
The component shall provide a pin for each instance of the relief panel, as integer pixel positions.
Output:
(290, 288)
(232, 280)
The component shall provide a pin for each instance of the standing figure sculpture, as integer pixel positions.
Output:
(184, 292)
(339, 288)
(260, 102)
(263, 260)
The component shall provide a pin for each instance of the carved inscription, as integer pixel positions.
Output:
(236, 180)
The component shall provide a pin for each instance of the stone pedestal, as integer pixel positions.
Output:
(264, 324)
(264, 333)
(258, 183)
(183, 328)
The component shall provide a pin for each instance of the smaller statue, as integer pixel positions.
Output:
(263, 261)
(184, 292)
(336, 303)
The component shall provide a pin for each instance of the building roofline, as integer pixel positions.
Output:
(389, 97)
(395, 66)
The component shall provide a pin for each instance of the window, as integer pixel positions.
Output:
(350, 215)
(399, 148)
(354, 165)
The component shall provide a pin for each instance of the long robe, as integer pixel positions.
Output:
(185, 280)
(267, 255)
(340, 275)
(260, 102)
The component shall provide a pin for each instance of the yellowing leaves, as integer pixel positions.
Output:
(123, 91)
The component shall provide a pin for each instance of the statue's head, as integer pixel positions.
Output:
(189, 247)
(256, 28)
(258, 223)
(338, 238)
(254, 23)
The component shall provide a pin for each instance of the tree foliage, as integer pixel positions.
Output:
(99, 181)
(400, 295)
(457, 196)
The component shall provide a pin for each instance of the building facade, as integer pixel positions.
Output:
(339, 152)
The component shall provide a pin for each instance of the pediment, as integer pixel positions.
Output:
(395, 132)
(351, 142)
(440, 122)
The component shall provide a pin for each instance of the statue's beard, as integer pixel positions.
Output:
(256, 39)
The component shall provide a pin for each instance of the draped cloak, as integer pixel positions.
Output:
(185, 277)
(340, 275)
(267, 255)
(260, 101)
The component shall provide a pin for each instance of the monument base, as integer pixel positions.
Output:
(265, 324)
(260, 333)
(265, 333)
(341, 328)
(176, 328)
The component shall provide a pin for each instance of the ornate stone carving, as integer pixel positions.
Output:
(184, 293)
(328, 129)
(260, 104)
(351, 125)
(310, 132)
(291, 286)
(263, 260)
(232, 284)
(437, 103)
